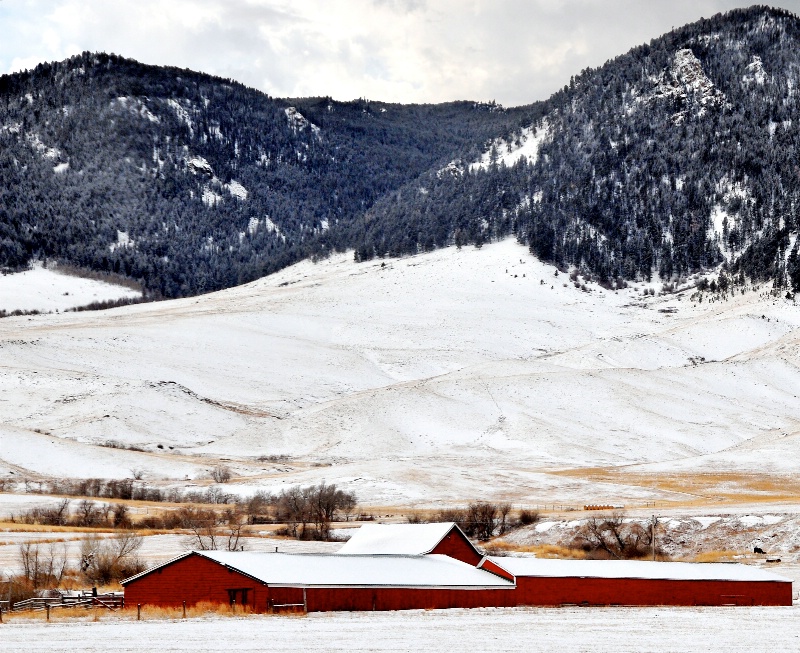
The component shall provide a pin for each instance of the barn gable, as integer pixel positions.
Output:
(412, 539)
(193, 578)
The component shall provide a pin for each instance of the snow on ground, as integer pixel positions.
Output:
(600, 630)
(42, 289)
(444, 377)
(526, 146)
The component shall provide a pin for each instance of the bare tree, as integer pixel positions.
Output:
(294, 508)
(43, 566)
(202, 527)
(613, 536)
(460, 517)
(481, 520)
(221, 474)
(209, 531)
(233, 530)
(60, 514)
(88, 513)
(105, 560)
(504, 509)
(120, 518)
(316, 504)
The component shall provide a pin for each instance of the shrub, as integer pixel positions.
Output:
(221, 474)
(528, 517)
(612, 536)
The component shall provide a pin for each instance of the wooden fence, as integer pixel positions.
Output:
(109, 601)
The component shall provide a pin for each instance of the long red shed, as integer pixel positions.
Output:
(636, 582)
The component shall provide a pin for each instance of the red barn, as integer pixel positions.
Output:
(319, 582)
(408, 566)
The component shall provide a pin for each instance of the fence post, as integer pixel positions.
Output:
(47, 609)
(1, 615)
(184, 609)
(138, 612)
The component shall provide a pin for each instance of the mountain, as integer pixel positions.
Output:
(679, 156)
(190, 183)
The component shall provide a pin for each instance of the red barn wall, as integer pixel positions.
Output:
(365, 599)
(634, 591)
(192, 579)
(457, 546)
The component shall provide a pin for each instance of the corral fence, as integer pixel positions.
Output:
(109, 601)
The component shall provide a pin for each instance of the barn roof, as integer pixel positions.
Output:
(327, 570)
(541, 567)
(398, 539)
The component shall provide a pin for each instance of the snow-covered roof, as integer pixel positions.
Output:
(397, 539)
(521, 567)
(326, 570)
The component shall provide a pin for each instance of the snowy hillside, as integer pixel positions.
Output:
(42, 289)
(458, 374)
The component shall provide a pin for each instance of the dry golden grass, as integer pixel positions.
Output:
(14, 526)
(701, 489)
(717, 556)
(45, 540)
(148, 613)
(539, 550)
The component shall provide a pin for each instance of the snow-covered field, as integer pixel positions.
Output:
(599, 630)
(449, 376)
(42, 289)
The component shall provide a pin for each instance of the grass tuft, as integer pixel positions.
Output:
(717, 556)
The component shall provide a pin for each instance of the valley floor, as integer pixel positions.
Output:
(556, 630)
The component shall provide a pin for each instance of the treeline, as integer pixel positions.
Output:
(126, 490)
(482, 519)
(305, 511)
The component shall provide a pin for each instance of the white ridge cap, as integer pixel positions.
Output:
(550, 568)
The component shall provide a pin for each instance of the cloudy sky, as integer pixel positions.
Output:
(512, 51)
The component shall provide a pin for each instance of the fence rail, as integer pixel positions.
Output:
(112, 601)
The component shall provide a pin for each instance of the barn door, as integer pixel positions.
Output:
(239, 596)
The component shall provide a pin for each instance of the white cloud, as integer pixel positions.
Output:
(514, 51)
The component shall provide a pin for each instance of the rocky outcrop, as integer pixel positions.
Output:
(686, 85)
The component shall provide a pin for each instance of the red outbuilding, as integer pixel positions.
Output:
(418, 566)
(636, 582)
